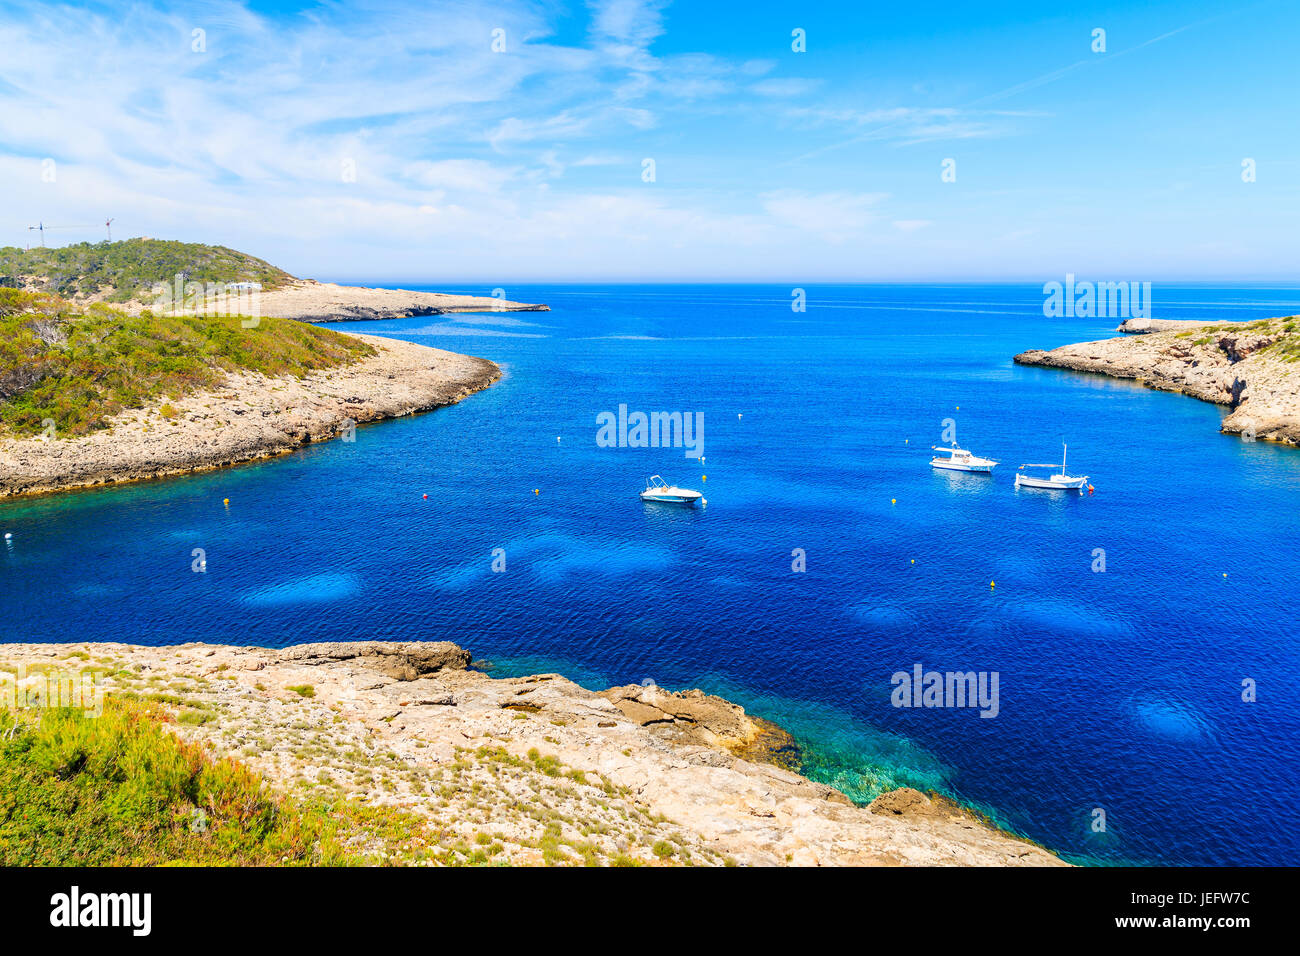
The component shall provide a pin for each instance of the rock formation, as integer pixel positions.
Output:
(248, 417)
(1251, 367)
(312, 301)
(545, 769)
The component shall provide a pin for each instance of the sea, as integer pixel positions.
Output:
(1138, 645)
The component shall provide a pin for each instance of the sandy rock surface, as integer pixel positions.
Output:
(528, 759)
(248, 417)
(1145, 326)
(312, 301)
(1225, 363)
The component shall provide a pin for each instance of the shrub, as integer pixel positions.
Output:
(80, 366)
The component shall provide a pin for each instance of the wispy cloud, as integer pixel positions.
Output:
(629, 25)
(906, 125)
(789, 86)
(833, 216)
(392, 136)
(342, 124)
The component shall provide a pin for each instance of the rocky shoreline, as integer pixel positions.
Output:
(310, 301)
(549, 771)
(1249, 367)
(249, 417)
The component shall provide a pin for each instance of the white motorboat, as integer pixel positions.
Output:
(1059, 481)
(959, 459)
(656, 489)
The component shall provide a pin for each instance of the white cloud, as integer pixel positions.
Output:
(834, 216)
(632, 25)
(465, 175)
(906, 125)
(791, 86)
(466, 161)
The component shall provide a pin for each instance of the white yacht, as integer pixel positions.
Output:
(959, 459)
(656, 489)
(1060, 481)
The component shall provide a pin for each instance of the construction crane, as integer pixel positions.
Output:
(41, 227)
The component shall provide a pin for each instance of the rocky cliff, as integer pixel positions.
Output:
(248, 417)
(1253, 368)
(533, 769)
(311, 301)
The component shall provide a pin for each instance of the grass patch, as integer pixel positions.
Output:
(303, 690)
(80, 366)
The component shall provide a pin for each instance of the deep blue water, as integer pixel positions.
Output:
(1118, 690)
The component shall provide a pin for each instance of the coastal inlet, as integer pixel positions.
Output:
(1120, 689)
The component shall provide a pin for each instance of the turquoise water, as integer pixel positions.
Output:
(1118, 690)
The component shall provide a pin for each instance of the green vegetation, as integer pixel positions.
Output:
(303, 690)
(119, 271)
(120, 789)
(143, 784)
(80, 365)
(1287, 348)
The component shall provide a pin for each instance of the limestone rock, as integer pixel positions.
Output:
(692, 714)
(405, 661)
(394, 723)
(245, 418)
(1237, 364)
(901, 802)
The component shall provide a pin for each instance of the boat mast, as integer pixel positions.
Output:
(1064, 450)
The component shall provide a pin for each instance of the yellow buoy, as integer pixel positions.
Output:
(704, 477)
(993, 584)
(225, 501)
(914, 560)
(893, 501)
(537, 491)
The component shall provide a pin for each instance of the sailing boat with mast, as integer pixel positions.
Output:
(1060, 481)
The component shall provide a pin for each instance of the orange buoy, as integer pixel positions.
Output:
(537, 491)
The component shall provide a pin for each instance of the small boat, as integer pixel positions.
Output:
(656, 489)
(1059, 481)
(959, 459)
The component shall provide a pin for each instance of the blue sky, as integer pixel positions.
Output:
(389, 141)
